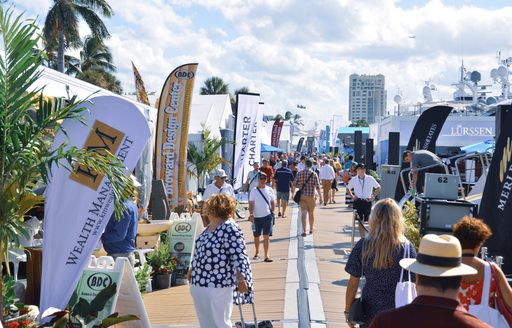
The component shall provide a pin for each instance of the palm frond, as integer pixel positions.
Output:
(94, 21)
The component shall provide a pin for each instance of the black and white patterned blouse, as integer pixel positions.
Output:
(218, 256)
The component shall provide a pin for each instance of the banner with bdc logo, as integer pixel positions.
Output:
(182, 236)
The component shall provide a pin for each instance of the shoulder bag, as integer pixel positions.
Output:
(246, 186)
(500, 302)
(357, 314)
(483, 311)
(298, 193)
(268, 204)
(405, 291)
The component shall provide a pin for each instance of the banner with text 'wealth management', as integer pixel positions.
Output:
(248, 136)
(172, 133)
(79, 205)
(424, 137)
(496, 203)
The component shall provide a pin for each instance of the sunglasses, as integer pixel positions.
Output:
(263, 178)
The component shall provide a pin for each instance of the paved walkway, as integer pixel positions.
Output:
(306, 282)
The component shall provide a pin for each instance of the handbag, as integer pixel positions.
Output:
(298, 193)
(500, 302)
(483, 311)
(357, 314)
(405, 291)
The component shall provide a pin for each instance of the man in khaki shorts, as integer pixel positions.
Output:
(327, 175)
(307, 181)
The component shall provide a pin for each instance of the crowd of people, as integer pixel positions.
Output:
(449, 277)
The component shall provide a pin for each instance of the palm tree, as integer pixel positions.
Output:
(295, 119)
(242, 90)
(94, 55)
(27, 122)
(359, 123)
(102, 79)
(233, 98)
(214, 86)
(201, 160)
(61, 24)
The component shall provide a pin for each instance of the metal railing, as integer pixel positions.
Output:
(409, 172)
(468, 156)
(458, 158)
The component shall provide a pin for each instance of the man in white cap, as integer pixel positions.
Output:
(439, 270)
(219, 185)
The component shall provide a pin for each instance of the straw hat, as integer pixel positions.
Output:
(438, 256)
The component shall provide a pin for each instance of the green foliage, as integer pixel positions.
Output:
(201, 161)
(28, 122)
(142, 276)
(374, 174)
(233, 97)
(214, 86)
(8, 295)
(95, 55)
(295, 119)
(359, 123)
(83, 312)
(61, 26)
(161, 260)
(114, 319)
(105, 80)
(412, 223)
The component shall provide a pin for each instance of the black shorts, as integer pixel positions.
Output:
(363, 208)
(262, 226)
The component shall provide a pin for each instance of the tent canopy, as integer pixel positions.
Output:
(268, 148)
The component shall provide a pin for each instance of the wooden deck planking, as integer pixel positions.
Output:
(174, 306)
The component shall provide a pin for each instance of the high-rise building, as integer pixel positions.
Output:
(367, 97)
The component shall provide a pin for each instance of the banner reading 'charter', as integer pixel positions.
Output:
(247, 140)
(172, 132)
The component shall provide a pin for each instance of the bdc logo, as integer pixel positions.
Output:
(99, 281)
(184, 75)
(183, 227)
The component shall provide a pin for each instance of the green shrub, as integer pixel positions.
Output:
(412, 223)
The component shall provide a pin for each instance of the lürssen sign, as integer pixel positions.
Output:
(480, 129)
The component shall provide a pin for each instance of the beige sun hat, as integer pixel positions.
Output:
(438, 256)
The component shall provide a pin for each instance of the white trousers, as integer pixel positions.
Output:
(213, 306)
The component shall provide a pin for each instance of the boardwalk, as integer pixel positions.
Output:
(284, 292)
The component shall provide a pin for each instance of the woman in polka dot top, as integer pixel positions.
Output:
(220, 266)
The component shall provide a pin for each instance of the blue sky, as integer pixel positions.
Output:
(302, 52)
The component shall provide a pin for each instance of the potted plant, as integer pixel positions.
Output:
(162, 264)
(143, 277)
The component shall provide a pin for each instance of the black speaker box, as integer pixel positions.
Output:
(368, 157)
(438, 216)
(394, 148)
(358, 146)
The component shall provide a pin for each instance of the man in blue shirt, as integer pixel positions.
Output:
(284, 179)
(119, 236)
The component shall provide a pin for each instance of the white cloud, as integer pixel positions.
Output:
(302, 52)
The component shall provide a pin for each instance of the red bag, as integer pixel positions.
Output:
(500, 302)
